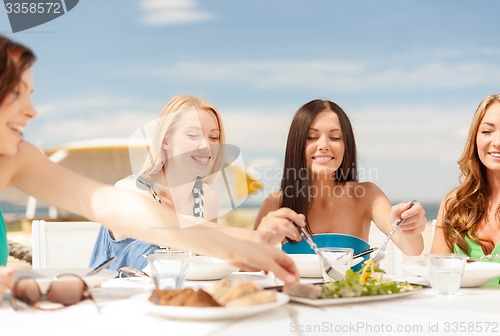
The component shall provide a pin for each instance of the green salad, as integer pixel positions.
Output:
(366, 282)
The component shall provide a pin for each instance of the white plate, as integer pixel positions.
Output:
(475, 274)
(47, 274)
(208, 268)
(210, 313)
(309, 267)
(339, 301)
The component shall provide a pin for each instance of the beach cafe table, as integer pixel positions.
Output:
(471, 312)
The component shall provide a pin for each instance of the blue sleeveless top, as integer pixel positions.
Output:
(4, 246)
(129, 251)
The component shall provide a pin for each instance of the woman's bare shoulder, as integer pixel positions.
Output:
(271, 203)
(132, 184)
(27, 157)
(27, 151)
(273, 200)
(128, 182)
(364, 190)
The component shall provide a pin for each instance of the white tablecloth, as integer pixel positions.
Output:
(471, 312)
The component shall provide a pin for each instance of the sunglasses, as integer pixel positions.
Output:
(63, 290)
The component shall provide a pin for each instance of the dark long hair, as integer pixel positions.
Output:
(296, 180)
(467, 208)
(14, 59)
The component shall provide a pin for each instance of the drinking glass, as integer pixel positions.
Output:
(340, 258)
(446, 271)
(169, 268)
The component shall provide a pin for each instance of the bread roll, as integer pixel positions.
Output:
(183, 297)
(263, 296)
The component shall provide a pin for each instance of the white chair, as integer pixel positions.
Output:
(63, 244)
(433, 225)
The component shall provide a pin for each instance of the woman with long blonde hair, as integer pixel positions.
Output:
(187, 150)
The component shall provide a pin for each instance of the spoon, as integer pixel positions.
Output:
(132, 272)
(101, 266)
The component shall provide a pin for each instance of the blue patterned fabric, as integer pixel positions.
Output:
(129, 251)
(198, 206)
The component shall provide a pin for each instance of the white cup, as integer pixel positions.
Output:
(446, 271)
(169, 268)
(340, 258)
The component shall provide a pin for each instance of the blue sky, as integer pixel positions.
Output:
(408, 73)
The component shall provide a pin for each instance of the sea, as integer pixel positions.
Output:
(15, 211)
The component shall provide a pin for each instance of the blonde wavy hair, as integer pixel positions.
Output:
(467, 207)
(170, 115)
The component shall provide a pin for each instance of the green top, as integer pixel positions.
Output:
(476, 252)
(4, 247)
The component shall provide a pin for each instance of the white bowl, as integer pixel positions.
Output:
(475, 274)
(208, 268)
(309, 267)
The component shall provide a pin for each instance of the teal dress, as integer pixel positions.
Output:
(476, 252)
(4, 247)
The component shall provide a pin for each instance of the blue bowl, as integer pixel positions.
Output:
(329, 240)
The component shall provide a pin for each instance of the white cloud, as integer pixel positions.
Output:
(99, 117)
(265, 162)
(341, 76)
(262, 129)
(382, 132)
(119, 124)
(409, 151)
(169, 12)
(409, 132)
(88, 106)
(404, 143)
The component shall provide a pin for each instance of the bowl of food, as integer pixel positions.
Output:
(475, 273)
(328, 240)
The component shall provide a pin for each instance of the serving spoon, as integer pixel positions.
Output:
(133, 272)
(101, 266)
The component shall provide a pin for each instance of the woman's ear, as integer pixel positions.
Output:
(164, 145)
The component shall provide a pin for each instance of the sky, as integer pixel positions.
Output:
(409, 74)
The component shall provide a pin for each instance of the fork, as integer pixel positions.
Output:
(382, 250)
(332, 273)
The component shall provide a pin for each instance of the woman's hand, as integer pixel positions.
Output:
(6, 280)
(258, 257)
(414, 218)
(278, 224)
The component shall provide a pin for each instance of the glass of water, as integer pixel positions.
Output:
(446, 271)
(339, 258)
(169, 268)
